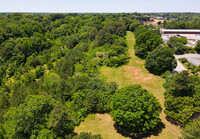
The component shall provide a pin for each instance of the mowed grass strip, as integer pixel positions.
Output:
(132, 73)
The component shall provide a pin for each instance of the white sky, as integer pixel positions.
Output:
(65, 6)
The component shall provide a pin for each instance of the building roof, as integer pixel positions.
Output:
(180, 30)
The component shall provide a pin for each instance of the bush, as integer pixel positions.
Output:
(183, 60)
(166, 74)
(197, 48)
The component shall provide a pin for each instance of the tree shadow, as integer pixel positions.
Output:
(130, 133)
(74, 134)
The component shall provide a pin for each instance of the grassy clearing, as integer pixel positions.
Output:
(132, 73)
(99, 124)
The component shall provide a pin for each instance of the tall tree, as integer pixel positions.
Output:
(160, 60)
(135, 109)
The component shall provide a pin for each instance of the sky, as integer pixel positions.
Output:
(99, 6)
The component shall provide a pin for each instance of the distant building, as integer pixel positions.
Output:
(174, 19)
(159, 18)
(179, 31)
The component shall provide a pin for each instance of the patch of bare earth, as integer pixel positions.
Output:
(106, 117)
(154, 22)
(135, 74)
(139, 62)
(149, 77)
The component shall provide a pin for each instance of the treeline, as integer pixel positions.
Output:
(158, 58)
(182, 24)
(177, 16)
(182, 103)
(182, 98)
(179, 20)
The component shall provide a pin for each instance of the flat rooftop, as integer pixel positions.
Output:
(180, 30)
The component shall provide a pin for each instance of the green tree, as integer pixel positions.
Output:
(135, 109)
(60, 121)
(65, 67)
(45, 134)
(7, 49)
(197, 48)
(159, 22)
(72, 41)
(192, 130)
(181, 97)
(63, 30)
(3, 35)
(134, 25)
(160, 60)
(18, 92)
(29, 118)
(52, 83)
(39, 71)
(1, 131)
(182, 84)
(177, 44)
(140, 29)
(91, 101)
(146, 42)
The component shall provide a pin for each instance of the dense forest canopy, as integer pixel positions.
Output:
(49, 70)
(49, 73)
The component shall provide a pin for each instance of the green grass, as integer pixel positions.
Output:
(132, 73)
(100, 124)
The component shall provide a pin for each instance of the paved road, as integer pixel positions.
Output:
(179, 67)
(193, 58)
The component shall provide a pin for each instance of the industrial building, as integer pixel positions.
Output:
(193, 36)
(179, 31)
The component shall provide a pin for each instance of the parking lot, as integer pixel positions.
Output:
(179, 67)
(193, 58)
(192, 38)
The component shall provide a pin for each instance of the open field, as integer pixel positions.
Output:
(132, 73)
(155, 22)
